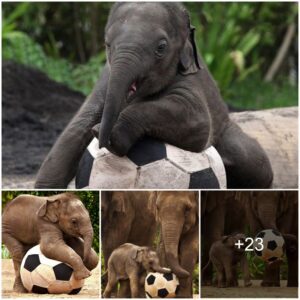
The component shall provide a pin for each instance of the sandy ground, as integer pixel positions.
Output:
(90, 289)
(255, 291)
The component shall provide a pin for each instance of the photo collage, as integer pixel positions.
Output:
(149, 150)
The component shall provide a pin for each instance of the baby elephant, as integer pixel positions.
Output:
(131, 262)
(59, 223)
(225, 255)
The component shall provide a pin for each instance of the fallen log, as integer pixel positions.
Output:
(277, 131)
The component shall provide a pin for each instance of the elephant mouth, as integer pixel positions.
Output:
(133, 89)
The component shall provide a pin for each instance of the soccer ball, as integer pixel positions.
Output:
(158, 285)
(151, 164)
(273, 245)
(42, 275)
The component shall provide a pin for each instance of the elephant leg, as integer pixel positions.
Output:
(17, 251)
(188, 252)
(62, 252)
(60, 165)
(111, 283)
(150, 118)
(78, 246)
(229, 273)
(124, 290)
(292, 258)
(134, 284)
(246, 163)
(212, 230)
(245, 270)
(271, 275)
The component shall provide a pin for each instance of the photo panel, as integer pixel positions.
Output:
(249, 244)
(156, 233)
(50, 243)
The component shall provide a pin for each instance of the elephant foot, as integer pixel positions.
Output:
(82, 273)
(19, 287)
(207, 282)
(270, 284)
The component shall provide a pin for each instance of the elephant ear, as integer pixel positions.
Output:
(152, 204)
(49, 210)
(119, 202)
(137, 255)
(189, 60)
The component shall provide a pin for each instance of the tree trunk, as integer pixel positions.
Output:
(277, 132)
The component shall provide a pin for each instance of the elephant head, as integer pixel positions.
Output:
(69, 214)
(147, 44)
(149, 259)
(177, 213)
(268, 206)
(232, 241)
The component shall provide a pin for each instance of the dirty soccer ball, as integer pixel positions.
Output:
(42, 275)
(158, 285)
(273, 245)
(151, 164)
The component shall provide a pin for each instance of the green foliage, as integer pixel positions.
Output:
(65, 40)
(5, 253)
(89, 198)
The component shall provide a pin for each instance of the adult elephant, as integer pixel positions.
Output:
(222, 213)
(153, 81)
(275, 210)
(126, 217)
(178, 216)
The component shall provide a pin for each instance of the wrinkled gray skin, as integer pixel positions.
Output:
(225, 255)
(178, 215)
(221, 214)
(126, 217)
(131, 262)
(59, 223)
(155, 84)
(275, 210)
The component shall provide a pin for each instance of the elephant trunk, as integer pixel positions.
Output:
(87, 243)
(159, 269)
(267, 215)
(124, 72)
(171, 234)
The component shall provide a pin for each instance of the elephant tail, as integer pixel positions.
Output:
(205, 267)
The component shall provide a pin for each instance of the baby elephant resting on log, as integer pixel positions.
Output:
(59, 223)
(225, 255)
(131, 262)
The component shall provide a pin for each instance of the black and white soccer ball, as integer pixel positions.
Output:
(158, 285)
(273, 245)
(151, 164)
(42, 275)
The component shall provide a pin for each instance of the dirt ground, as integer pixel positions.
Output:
(90, 289)
(35, 110)
(255, 291)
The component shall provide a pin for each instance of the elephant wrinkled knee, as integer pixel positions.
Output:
(93, 261)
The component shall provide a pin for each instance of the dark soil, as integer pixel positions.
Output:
(35, 110)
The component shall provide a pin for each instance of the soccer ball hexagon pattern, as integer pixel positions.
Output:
(151, 164)
(273, 245)
(42, 275)
(158, 285)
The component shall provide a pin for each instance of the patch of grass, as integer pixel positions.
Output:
(254, 93)
(5, 252)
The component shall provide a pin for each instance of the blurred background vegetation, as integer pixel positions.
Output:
(90, 200)
(238, 41)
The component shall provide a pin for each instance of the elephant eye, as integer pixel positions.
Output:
(74, 221)
(161, 48)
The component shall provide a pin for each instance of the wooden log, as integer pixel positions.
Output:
(277, 132)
